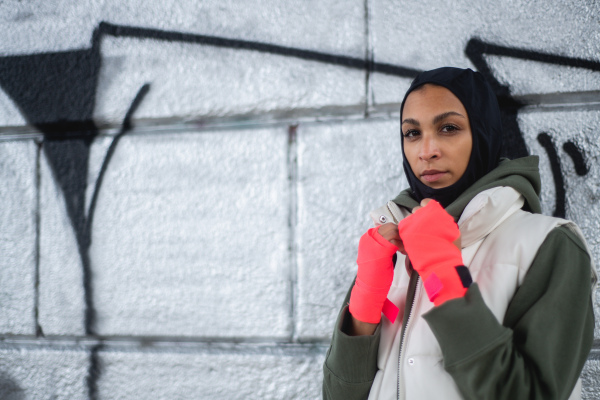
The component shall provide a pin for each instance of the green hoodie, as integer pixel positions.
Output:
(543, 342)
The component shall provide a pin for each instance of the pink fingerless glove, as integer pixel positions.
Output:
(427, 236)
(374, 277)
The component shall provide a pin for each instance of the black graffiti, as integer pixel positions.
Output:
(576, 155)
(555, 165)
(581, 169)
(215, 41)
(56, 93)
(514, 143)
(559, 205)
(94, 372)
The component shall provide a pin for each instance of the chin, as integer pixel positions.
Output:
(436, 185)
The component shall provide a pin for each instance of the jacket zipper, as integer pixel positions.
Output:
(405, 328)
(412, 303)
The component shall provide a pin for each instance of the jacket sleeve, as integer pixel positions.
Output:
(540, 349)
(351, 361)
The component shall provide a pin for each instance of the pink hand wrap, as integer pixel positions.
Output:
(374, 277)
(427, 236)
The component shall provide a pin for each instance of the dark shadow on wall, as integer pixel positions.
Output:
(9, 389)
(56, 93)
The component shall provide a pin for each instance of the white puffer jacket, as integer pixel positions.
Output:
(499, 243)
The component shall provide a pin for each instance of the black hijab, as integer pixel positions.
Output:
(483, 111)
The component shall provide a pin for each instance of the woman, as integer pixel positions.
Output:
(496, 305)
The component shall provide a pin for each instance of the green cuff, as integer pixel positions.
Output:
(352, 359)
(465, 327)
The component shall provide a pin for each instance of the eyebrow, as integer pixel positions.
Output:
(436, 119)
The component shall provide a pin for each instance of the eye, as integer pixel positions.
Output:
(411, 134)
(449, 128)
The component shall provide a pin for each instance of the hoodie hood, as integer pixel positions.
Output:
(521, 174)
(483, 111)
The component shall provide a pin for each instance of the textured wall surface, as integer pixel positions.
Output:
(184, 183)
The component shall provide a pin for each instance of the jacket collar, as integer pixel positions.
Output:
(486, 211)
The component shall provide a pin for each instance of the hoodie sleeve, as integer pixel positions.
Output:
(540, 349)
(351, 361)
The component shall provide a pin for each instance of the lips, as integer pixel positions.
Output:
(432, 175)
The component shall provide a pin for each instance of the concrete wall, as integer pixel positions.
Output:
(184, 183)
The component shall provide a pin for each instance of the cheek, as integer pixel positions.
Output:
(463, 154)
(411, 155)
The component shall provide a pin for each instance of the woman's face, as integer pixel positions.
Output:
(437, 136)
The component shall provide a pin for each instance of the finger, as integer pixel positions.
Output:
(389, 231)
(401, 248)
(397, 243)
(424, 202)
(408, 266)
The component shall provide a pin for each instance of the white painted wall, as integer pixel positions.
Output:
(225, 231)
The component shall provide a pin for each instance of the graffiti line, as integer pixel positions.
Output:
(125, 127)
(559, 184)
(94, 372)
(531, 55)
(90, 312)
(238, 44)
(38, 183)
(572, 150)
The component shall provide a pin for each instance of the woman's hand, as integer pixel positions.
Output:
(424, 202)
(432, 240)
(374, 276)
(390, 233)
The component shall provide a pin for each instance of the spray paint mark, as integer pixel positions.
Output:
(559, 184)
(576, 155)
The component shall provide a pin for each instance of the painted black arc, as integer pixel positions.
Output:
(576, 155)
(559, 184)
(94, 370)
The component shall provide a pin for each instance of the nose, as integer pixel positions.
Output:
(429, 149)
